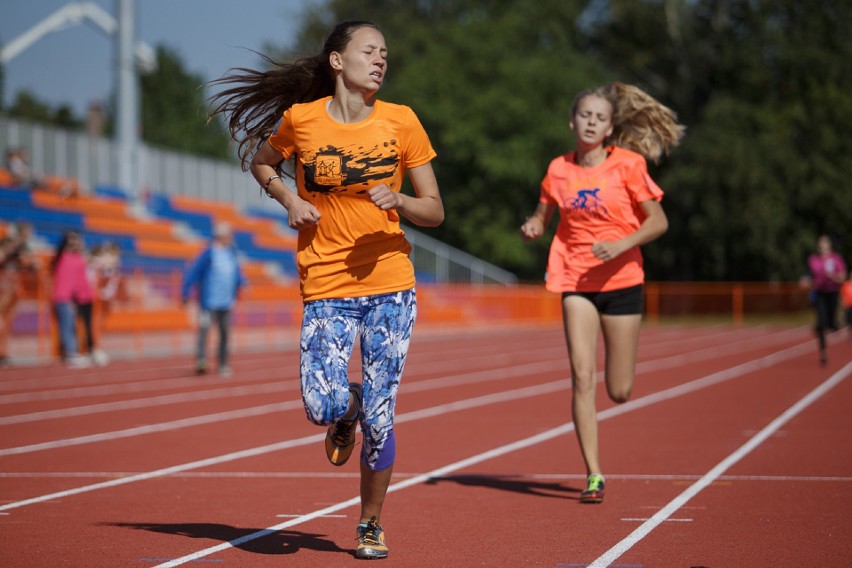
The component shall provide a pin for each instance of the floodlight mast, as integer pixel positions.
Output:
(130, 56)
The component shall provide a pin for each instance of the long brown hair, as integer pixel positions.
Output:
(640, 122)
(257, 99)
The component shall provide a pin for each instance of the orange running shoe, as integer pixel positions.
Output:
(340, 438)
(371, 541)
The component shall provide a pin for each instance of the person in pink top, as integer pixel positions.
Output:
(825, 275)
(71, 289)
(608, 206)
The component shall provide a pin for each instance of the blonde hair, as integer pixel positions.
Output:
(640, 122)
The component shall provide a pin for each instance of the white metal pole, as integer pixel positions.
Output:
(127, 101)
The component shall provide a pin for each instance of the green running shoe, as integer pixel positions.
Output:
(594, 492)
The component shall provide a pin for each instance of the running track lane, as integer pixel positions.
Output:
(497, 487)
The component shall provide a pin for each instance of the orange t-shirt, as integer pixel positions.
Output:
(846, 294)
(596, 204)
(356, 249)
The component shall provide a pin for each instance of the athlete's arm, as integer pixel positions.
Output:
(535, 224)
(425, 208)
(300, 213)
(654, 225)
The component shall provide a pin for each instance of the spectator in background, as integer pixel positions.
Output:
(105, 267)
(17, 162)
(218, 278)
(71, 294)
(826, 272)
(15, 259)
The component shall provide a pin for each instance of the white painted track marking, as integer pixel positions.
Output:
(648, 400)
(678, 502)
(673, 392)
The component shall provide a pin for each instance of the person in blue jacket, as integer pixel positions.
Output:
(218, 278)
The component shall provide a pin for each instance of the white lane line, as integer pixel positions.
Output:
(356, 475)
(415, 386)
(420, 386)
(731, 346)
(505, 396)
(136, 387)
(641, 520)
(460, 405)
(439, 472)
(299, 515)
(159, 427)
(641, 532)
(193, 474)
(667, 394)
(249, 390)
(212, 394)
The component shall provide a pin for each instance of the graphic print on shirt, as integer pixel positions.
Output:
(338, 170)
(587, 202)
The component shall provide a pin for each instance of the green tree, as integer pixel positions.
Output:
(174, 110)
(763, 86)
(26, 106)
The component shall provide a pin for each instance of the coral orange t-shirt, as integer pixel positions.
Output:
(846, 294)
(595, 204)
(356, 249)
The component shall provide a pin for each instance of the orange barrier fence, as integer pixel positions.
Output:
(151, 319)
(734, 300)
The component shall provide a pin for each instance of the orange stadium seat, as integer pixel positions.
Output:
(6, 177)
(154, 229)
(91, 206)
(173, 249)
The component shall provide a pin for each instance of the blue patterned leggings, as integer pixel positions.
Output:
(329, 329)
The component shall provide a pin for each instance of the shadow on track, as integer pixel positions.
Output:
(276, 542)
(516, 484)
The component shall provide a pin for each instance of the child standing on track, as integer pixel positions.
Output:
(351, 153)
(608, 206)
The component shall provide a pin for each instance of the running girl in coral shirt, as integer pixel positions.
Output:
(608, 206)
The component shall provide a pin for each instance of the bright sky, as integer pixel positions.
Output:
(75, 64)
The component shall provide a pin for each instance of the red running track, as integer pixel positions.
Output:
(733, 452)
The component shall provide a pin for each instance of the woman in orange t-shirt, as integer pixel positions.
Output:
(351, 153)
(608, 206)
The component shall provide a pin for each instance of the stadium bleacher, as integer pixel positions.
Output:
(156, 244)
